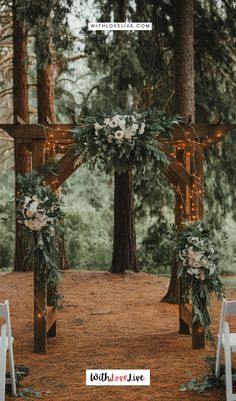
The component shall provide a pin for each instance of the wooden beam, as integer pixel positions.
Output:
(66, 166)
(38, 131)
(183, 132)
(186, 132)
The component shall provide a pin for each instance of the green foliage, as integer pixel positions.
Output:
(119, 142)
(155, 252)
(197, 255)
(209, 381)
(153, 53)
(48, 22)
(7, 221)
(31, 393)
(89, 220)
(39, 212)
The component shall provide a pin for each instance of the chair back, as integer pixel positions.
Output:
(3, 349)
(5, 314)
(6, 347)
(228, 308)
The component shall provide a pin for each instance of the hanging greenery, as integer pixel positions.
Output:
(39, 211)
(125, 141)
(197, 254)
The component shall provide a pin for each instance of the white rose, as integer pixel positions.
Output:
(33, 207)
(29, 213)
(119, 135)
(122, 124)
(134, 127)
(128, 134)
(31, 224)
(113, 123)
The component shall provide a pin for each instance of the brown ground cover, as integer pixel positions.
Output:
(112, 322)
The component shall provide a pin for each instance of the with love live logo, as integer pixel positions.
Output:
(118, 377)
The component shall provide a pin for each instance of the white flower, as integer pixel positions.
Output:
(27, 200)
(41, 216)
(122, 124)
(107, 121)
(128, 134)
(33, 207)
(35, 198)
(142, 128)
(113, 123)
(119, 135)
(134, 127)
(29, 213)
(97, 126)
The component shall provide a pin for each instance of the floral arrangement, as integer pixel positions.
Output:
(197, 255)
(122, 141)
(39, 211)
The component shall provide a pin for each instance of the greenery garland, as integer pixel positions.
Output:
(197, 254)
(39, 211)
(118, 142)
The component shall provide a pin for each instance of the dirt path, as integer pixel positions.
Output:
(108, 322)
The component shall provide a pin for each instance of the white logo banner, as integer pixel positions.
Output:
(120, 26)
(118, 377)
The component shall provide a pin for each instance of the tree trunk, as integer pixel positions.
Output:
(184, 98)
(124, 245)
(124, 241)
(45, 94)
(22, 154)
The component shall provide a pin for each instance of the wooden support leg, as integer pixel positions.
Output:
(198, 336)
(183, 326)
(40, 318)
(52, 332)
(40, 289)
(197, 192)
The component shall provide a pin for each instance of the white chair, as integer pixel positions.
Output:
(6, 345)
(226, 340)
(229, 347)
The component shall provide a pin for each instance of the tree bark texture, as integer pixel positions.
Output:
(124, 242)
(184, 103)
(23, 159)
(45, 94)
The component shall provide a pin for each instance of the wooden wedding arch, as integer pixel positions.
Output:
(185, 173)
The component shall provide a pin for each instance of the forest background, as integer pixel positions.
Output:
(90, 69)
